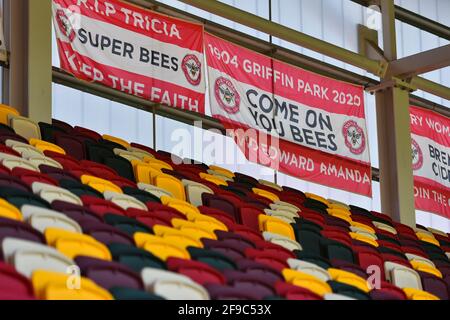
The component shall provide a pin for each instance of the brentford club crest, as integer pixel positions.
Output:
(226, 95)
(64, 25)
(192, 69)
(354, 137)
(417, 155)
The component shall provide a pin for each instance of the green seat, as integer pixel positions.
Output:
(135, 258)
(348, 290)
(336, 250)
(120, 293)
(18, 198)
(214, 259)
(121, 165)
(79, 189)
(309, 238)
(317, 260)
(141, 195)
(125, 224)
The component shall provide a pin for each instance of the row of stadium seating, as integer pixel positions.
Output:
(137, 223)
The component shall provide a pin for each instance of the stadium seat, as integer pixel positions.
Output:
(45, 145)
(306, 281)
(401, 276)
(124, 201)
(54, 286)
(194, 191)
(349, 278)
(135, 258)
(5, 111)
(197, 271)
(180, 205)
(283, 241)
(28, 256)
(101, 185)
(126, 224)
(14, 285)
(51, 193)
(275, 225)
(116, 140)
(73, 244)
(171, 184)
(172, 286)
(25, 127)
(416, 294)
(41, 219)
(9, 211)
(167, 243)
(120, 293)
(79, 189)
(309, 268)
(109, 274)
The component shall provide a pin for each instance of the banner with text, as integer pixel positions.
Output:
(430, 144)
(133, 50)
(303, 124)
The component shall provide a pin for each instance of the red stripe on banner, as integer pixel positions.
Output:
(429, 124)
(283, 79)
(155, 90)
(148, 23)
(301, 162)
(431, 197)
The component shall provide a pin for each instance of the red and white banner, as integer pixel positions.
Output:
(315, 125)
(131, 49)
(430, 144)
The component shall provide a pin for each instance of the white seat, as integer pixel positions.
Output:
(129, 155)
(414, 257)
(363, 232)
(140, 153)
(51, 193)
(384, 227)
(309, 268)
(41, 219)
(270, 184)
(26, 150)
(172, 286)
(219, 175)
(338, 203)
(27, 256)
(158, 192)
(281, 205)
(286, 216)
(12, 162)
(194, 191)
(439, 232)
(42, 160)
(401, 276)
(336, 296)
(24, 127)
(124, 201)
(283, 241)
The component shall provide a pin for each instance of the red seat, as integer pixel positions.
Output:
(221, 203)
(274, 260)
(292, 292)
(338, 235)
(405, 231)
(101, 206)
(122, 182)
(275, 248)
(249, 216)
(198, 271)
(387, 291)
(87, 132)
(29, 176)
(14, 286)
(151, 218)
(98, 169)
(247, 232)
(396, 259)
(144, 148)
(220, 215)
(369, 256)
(8, 150)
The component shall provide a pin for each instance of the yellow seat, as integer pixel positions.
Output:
(182, 206)
(204, 220)
(57, 286)
(317, 197)
(157, 164)
(340, 211)
(363, 238)
(349, 278)
(171, 184)
(337, 205)
(144, 172)
(9, 211)
(122, 142)
(4, 111)
(44, 145)
(194, 230)
(423, 267)
(73, 244)
(307, 281)
(362, 226)
(340, 215)
(223, 171)
(165, 244)
(266, 194)
(415, 294)
(99, 184)
(427, 238)
(275, 225)
(213, 179)
(177, 237)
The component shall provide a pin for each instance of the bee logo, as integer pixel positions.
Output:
(354, 137)
(65, 26)
(417, 155)
(227, 95)
(192, 69)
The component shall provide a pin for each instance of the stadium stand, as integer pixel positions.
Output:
(70, 196)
